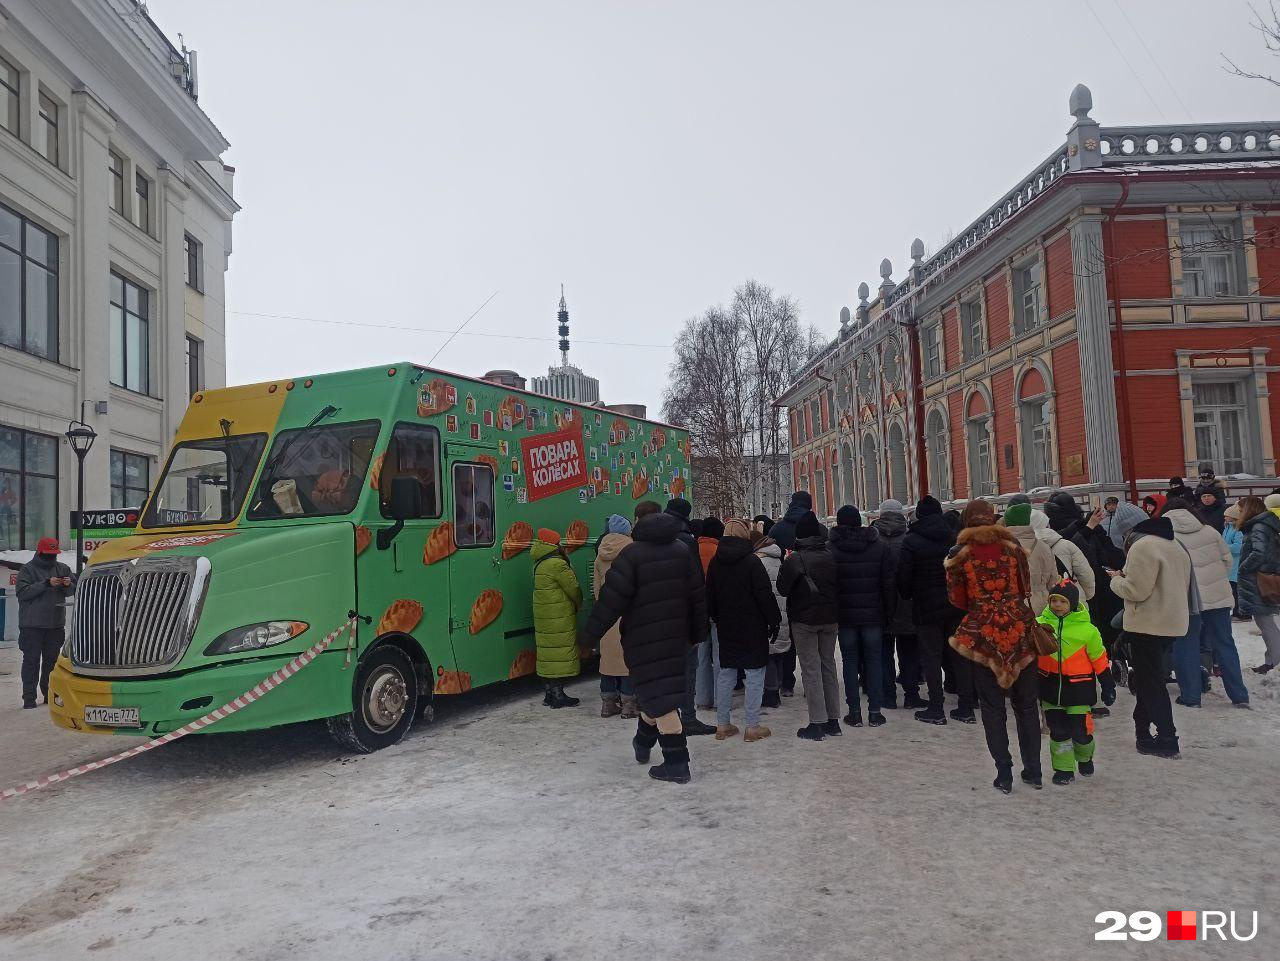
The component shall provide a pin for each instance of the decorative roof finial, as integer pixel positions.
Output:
(886, 270)
(1081, 103)
(917, 250)
(845, 317)
(864, 292)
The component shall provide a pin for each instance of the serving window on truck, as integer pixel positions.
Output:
(473, 522)
(414, 451)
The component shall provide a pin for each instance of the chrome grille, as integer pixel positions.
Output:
(136, 617)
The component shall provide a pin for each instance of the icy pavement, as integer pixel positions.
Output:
(508, 831)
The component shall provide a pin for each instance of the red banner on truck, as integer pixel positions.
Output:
(554, 463)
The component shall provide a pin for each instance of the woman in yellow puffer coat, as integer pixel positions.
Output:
(556, 599)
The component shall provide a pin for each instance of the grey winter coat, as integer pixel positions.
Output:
(770, 555)
(39, 604)
(892, 527)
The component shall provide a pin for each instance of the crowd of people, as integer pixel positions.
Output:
(1044, 609)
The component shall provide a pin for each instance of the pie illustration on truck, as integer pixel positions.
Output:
(452, 682)
(402, 616)
(440, 544)
(518, 538)
(435, 397)
(526, 663)
(363, 537)
(576, 536)
(486, 609)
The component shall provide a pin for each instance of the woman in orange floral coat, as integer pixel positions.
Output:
(987, 579)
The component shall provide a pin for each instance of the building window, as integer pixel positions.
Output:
(1026, 297)
(195, 382)
(815, 410)
(47, 129)
(142, 202)
(971, 328)
(9, 86)
(931, 347)
(115, 166)
(819, 489)
(936, 444)
(1212, 265)
(1037, 441)
(870, 471)
(978, 435)
(1221, 419)
(130, 479)
(897, 444)
(831, 408)
(130, 343)
(28, 286)
(28, 488)
(193, 252)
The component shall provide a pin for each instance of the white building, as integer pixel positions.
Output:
(567, 381)
(115, 229)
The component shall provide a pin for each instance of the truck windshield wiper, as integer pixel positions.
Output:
(271, 472)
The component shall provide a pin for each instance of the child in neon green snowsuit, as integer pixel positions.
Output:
(1067, 683)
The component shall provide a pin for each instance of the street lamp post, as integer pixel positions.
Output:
(81, 437)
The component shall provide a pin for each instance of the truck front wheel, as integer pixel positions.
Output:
(384, 702)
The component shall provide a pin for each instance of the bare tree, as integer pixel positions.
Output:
(1269, 26)
(729, 368)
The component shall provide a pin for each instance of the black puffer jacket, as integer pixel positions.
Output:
(864, 576)
(741, 602)
(655, 586)
(921, 577)
(1213, 513)
(892, 528)
(804, 605)
(784, 531)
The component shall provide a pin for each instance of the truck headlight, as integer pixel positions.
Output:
(254, 637)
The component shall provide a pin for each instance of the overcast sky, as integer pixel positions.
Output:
(400, 160)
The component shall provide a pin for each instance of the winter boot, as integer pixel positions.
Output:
(771, 699)
(757, 733)
(875, 719)
(832, 727)
(963, 716)
(726, 731)
(889, 704)
(29, 705)
(812, 732)
(1206, 682)
(853, 719)
(560, 699)
(610, 705)
(931, 715)
(548, 696)
(675, 760)
(1179, 700)
(1034, 780)
(1086, 769)
(646, 737)
(1062, 755)
(693, 727)
(1165, 747)
(1264, 668)
(1084, 756)
(1063, 777)
(630, 709)
(1004, 780)
(912, 701)
(1100, 711)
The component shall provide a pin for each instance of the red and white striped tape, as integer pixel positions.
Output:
(244, 700)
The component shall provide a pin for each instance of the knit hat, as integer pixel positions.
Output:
(1206, 470)
(617, 524)
(713, 527)
(977, 513)
(734, 527)
(803, 498)
(808, 525)
(1019, 499)
(848, 516)
(680, 507)
(1017, 515)
(1232, 513)
(1271, 501)
(548, 536)
(1175, 482)
(928, 505)
(890, 505)
(1039, 520)
(1066, 589)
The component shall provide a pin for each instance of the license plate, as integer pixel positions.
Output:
(113, 716)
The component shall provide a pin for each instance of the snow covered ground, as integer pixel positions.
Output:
(507, 831)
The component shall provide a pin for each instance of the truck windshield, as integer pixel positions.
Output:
(315, 471)
(205, 481)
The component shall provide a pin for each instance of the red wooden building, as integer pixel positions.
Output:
(1108, 324)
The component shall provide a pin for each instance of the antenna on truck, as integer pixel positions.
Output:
(460, 326)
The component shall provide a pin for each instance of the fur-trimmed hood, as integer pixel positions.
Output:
(984, 535)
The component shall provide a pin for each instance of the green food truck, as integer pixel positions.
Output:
(407, 495)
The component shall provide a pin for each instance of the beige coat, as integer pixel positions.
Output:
(1068, 554)
(612, 663)
(1040, 564)
(1210, 559)
(1154, 586)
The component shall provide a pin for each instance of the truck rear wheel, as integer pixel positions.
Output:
(384, 702)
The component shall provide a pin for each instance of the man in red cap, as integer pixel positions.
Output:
(44, 584)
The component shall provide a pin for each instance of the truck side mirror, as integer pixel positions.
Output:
(405, 504)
